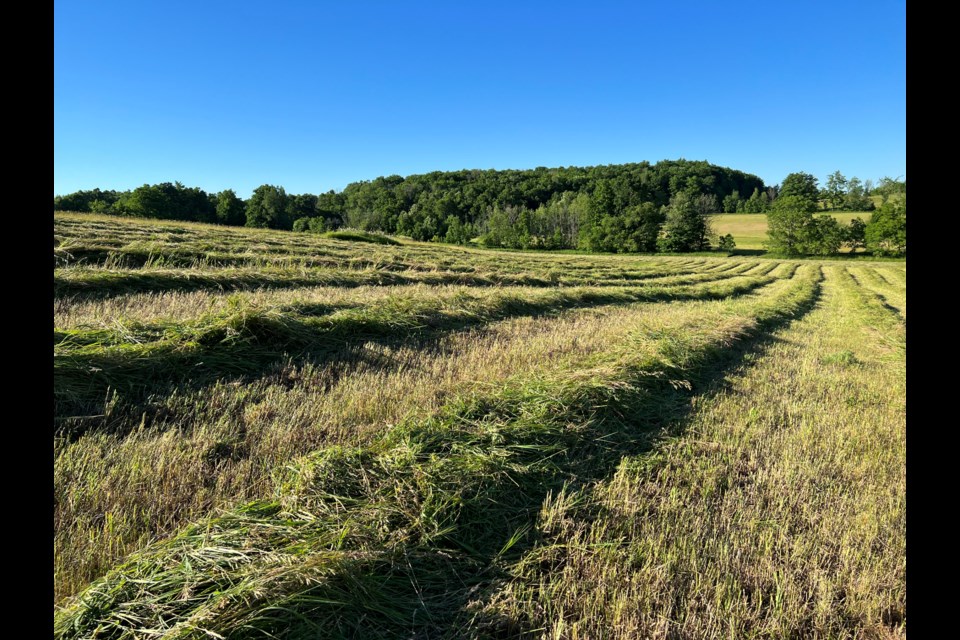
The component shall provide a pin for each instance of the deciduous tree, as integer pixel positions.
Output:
(267, 208)
(786, 224)
(802, 186)
(230, 209)
(836, 189)
(685, 227)
(886, 233)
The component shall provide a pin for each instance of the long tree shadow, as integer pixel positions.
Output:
(879, 298)
(404, 537)
(95, 388)
(98, 286)
(430, 585)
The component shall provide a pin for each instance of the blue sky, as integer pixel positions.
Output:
(314, 95)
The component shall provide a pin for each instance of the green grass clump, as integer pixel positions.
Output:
(360, 236)
(844, 358)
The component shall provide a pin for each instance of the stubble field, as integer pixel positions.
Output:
(263, 432)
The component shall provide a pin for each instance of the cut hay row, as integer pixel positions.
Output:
(867, 290)
(142, 469)
(104, 282)
(219, 245)
(779, 512)
(178, 306)
(90, 363)
(897, 275)
(402, 536)
(878, 280)
(133, 243)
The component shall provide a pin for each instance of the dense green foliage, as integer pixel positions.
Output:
(603, 208)
(230, 209)
(628, 208)
(686, 227)
(800, 190)
(795, 230)
(886, 233)
(758, 202)
(267, 208)
(841, 194)
(857, 234)
(422, 206)
(94, 200)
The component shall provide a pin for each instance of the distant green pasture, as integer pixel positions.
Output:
(749, 230)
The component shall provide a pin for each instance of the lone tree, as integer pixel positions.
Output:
(787, 224)
(686, 227)
(889, 188)
(857, 197)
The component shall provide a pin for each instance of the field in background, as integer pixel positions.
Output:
(749, 230)
(267, 432)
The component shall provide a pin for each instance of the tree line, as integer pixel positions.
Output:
(563, 207)
(637, 207)
(793, 229)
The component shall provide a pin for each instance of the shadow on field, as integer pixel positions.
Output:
(95, 285)
(436, 586)
(98, 385)
(108, 284)
(878, 298)
(412, 536)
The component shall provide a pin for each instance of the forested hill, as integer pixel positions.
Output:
(550, 208)
(416, 204)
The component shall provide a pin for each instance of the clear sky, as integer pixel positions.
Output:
(314, 95)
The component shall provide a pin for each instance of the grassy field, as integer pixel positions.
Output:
(267, 434)
(749, 230)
